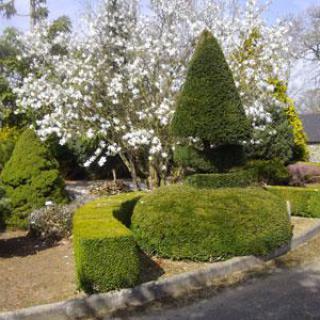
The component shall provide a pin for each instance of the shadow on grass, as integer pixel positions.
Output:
(149, 269)
(21, 246)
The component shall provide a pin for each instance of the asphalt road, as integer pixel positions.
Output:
(286, 294)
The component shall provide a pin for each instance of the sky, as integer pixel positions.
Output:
(74, 9)
(300, 77)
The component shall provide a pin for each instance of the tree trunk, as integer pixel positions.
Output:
(134, 175)
(32, 11)
(114, 174)
(132, 169)
(154, 179)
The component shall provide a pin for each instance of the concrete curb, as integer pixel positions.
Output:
(100, 305)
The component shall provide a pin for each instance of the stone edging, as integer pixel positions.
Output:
(100, 305)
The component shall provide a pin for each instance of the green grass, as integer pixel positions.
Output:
(182, 222)
(305, 202)
(317, 164)
(106, 253)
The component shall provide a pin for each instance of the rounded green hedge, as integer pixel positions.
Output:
(235, 179)
(182, 222)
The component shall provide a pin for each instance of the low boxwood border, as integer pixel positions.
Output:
(106, 253)
(237, 179)
(304, 202)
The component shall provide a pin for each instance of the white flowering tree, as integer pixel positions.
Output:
(119, 80)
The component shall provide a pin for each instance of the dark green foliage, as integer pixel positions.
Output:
(8, 138)
(105, 251)
(304, 202)
(272, 172)
(5, 208)
(209, 106)
(226, 156)
(77, 151)
(182, 222)
(10, 67)
(30, 178)
(191, 159)
(61, 25)
(235, 179)
(276, 141)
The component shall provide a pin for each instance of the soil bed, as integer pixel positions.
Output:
(33, 273)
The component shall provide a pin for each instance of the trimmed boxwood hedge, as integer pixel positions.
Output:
(106, 253)
(305, 202)
(224, 180)
(182, 222)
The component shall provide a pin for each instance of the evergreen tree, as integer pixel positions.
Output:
(209, 107)
(276, 140)
(30, 178)
(300, 148)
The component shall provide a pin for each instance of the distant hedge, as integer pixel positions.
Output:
(305, 202)
(181, 222)
(224, 180)
(106, 253)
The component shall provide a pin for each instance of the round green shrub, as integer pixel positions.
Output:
(182, 222)
(30, 178)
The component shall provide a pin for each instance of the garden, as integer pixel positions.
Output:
(195, 151)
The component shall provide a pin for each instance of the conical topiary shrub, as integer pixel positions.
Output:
(31, 178)
(209, 107)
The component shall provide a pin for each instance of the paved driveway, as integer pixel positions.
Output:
(286, 294)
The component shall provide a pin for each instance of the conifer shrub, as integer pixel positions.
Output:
(30, 178)
(209, 107)
(300, 148)
(182, 222)
(276, 141)
(106, 253)
(8, 138)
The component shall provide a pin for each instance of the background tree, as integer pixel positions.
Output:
(7, 8)
(305, 52)
(126, 98)
(209, 107)
(12, 68)
(37, 10)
